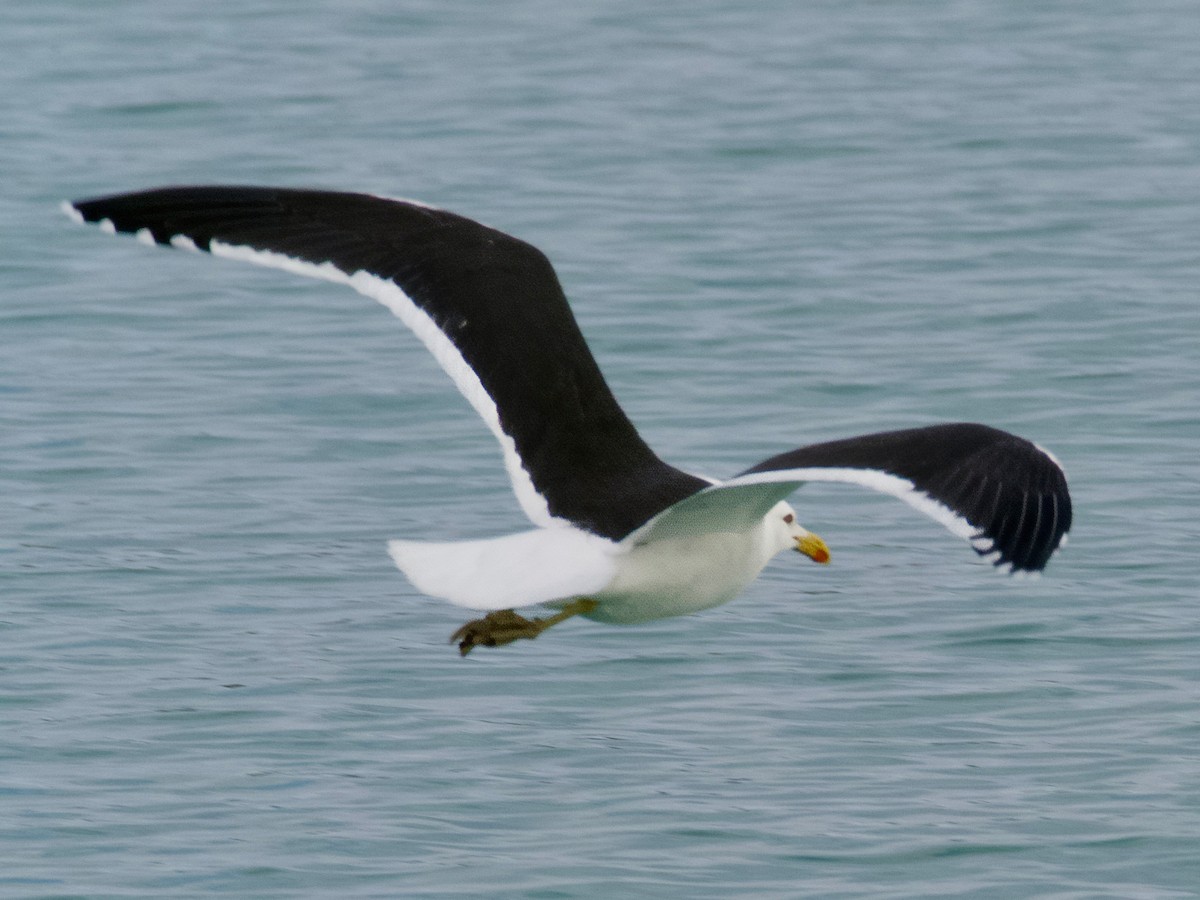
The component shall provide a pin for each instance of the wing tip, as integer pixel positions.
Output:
(77, 212)
(72, 212)
(1004, 559)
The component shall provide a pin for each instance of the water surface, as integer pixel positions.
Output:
(778, 223)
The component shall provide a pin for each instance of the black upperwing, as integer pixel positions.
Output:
(495, 298)
(1004, 494)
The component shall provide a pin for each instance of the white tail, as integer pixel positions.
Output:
(521, 569)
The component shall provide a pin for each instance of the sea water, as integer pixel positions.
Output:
(778, 223)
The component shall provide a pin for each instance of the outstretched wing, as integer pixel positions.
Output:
(488, 306)
(1002, 493)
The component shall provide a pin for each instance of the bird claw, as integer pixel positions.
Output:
(495, 630)
(505, 626)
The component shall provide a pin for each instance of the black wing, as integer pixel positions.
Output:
(1003, 493)
(495, 299)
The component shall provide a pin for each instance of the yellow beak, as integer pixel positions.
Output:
(813, 547)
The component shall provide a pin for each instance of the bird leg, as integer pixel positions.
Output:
(505, 626)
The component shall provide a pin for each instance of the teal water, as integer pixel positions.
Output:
(778, 223)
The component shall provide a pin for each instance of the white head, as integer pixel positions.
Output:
(784, 532)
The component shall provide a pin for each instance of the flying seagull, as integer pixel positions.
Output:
(620, 535)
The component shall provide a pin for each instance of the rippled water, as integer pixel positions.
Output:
(778, 223)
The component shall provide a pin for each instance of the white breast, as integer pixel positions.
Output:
(677, 576)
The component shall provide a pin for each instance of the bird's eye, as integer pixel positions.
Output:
(789, 518)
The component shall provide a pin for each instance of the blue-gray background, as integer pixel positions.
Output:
(779, 222)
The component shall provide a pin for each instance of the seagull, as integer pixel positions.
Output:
(620, 535)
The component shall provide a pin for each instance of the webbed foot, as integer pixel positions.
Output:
(505, 626)
(495, 630)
